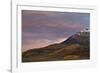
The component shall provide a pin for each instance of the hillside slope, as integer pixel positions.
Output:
(76, 47)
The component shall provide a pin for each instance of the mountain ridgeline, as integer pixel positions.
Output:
(76, 47)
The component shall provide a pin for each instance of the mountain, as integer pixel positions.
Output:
(76, 47)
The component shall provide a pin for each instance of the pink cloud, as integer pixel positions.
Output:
(31, 44)
(64, 25)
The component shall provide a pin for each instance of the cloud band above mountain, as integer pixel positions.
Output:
(41, 28)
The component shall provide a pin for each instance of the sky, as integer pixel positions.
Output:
(42, 28)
